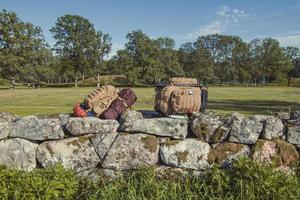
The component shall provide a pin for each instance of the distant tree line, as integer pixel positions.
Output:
(80, 51)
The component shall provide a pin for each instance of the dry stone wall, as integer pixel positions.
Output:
(95, 147)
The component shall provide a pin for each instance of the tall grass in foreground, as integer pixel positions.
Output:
(245, 180)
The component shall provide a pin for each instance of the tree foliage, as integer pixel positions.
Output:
(24, 54)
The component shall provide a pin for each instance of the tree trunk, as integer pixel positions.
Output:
(75, 82)
(98, 78)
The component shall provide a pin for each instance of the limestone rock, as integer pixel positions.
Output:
(225, 153)
(167, 127)
(5, 129)
(210, 128)
(130, 115)
(273, 129)
(7, 117)
(82, 126)
(102, 142)
(99, 174)
(188, 153)
(283, 153)
(32, 128)
(293, 133)
(132, 151)
(246, 130)
(76, 153)
(18, 153)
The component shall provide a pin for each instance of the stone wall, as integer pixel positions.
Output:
(96, 147)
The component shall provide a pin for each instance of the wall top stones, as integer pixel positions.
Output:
(91, 145)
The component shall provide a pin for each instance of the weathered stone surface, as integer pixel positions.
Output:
(293, 133)
(5, 129)
(7, 117)
(18, 153)
(130, 115)
(225, 153)
(76, 153)
(210, 128)
(246, 130)
(99, 173)
(174, 128)
(32, 128)
(273, 128)
(131, 151)
(82, 126)
(188, 153)
(283, 153)
(64, 119)
(102, 142)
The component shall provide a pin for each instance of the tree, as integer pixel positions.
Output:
(269, 61)
(79, 43)
(24, 54)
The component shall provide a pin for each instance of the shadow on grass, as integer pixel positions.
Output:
(253, 106)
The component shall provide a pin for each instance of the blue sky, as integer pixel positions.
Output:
(182, 20)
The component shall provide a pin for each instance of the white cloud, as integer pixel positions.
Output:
(289, 40)
(296, 6)
(214, 27)
(225, 15)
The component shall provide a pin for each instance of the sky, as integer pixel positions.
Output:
(181, 20)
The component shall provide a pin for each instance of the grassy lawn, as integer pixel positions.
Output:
(264, 100)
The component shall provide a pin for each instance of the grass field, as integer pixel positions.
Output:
(263, 100)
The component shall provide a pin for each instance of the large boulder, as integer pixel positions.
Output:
(5, 129)
(75, 153)
(246, 130)
(278, 151)
(210, 128)
(7, 117)
(167, 127)
(102, 142)
(293, 133)
(225, 153)
(130, 115)
(132, 151)
(188, 153)
(33, 128)
(18, 153)
(273, 128)
(82, 126)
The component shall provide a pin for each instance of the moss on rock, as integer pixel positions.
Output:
(182, 156)
(151, 143)
(220, 152)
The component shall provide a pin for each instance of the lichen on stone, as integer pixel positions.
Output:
(77, 142)
(182, 156)
(151, 143)
(171, 142)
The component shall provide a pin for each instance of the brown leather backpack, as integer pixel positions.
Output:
(100, 99)
(178, 96)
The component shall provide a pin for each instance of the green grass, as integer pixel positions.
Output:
(244, 180)
(264, 100)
